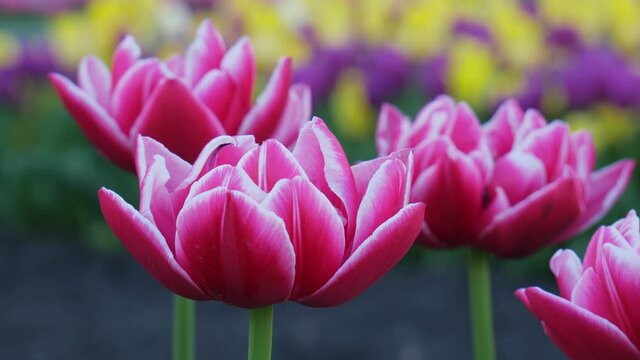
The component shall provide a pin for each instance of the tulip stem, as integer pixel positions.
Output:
(183, 328)
(260, 328)
(480, 305)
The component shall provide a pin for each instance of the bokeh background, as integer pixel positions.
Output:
(577, 60)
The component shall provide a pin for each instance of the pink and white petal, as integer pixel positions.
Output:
(262, 119)
(204, 53)
(269, 163)
(629, 228)
(175, 64)
(605, 188)
(377, 255)
(550, 144)
(95, 79)
(147, 149)
(383, 198)
(531, 121)
(455, 193)
(94, 121)
(590, 293)
(535, 221)
(129, 93)
(582, 156)
(433, 120)
(315, 230)
(327, 166)
(604, 235)
(146, 244)
(126, 55)
(519, 174)
(500, 130)
(235, 250)
(210, 154)
(228, 177)
(465, 132)
(392, 130)
(577, 332)
(239, 62)
(363, 171)
(216, 90)
(623, 279)
(295, 114)
(567, 268)
(178, 120)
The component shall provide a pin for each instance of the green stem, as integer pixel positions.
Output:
(183, 328)
(260, 327)
(480, 306)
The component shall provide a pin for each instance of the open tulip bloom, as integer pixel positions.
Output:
(596, 315)
(182, 102)
(255, 225)
(508, 187)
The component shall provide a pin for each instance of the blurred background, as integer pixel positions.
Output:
(577, 60)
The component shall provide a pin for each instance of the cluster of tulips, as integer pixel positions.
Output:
(255, 203)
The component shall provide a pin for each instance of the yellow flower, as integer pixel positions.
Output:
(610, 125)
(519, 37)
(350, 106)
(424, 27)
(470, 72)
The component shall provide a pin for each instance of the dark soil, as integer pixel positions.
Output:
(59, 301)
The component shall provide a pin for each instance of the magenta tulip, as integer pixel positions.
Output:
(183, 102)
(596, 315)
(510, 186)
(253, 225)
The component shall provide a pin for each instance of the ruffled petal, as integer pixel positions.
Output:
(97, 125)
(262, 119)
(235, 250)
(315, 230)
(269, 163)
(577, 332)
(147, 149)
(147, 245)
(392, 130)
(363, 171)
(432, 120)
(228, 177)
(550, 144)
(567, 268)
(377, 255)
(179, 121)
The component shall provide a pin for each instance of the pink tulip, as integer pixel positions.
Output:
(183, 102)
(509, 186)
(253, 225)
(596, 315)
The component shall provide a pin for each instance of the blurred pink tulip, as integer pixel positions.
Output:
(183, 102)
(509, 186)
(253, 225)
(596, 315)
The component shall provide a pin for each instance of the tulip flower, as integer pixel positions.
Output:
(255, 225)
(507, 187)
(596, 315)
(183, 102)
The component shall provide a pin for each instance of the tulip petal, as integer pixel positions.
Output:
(179, 121)
(383, 198)
(567, 268)
(465, 132)
(363, 171)
(235, 250)
(126, 55)
(590, 293)
(129, 93)
(535, 221)
(204, 53)
(531, 120)
(95, 79)
(325, 163)
(577, 332)
(216, 91)
(519, 174)
(97, 125)
(623, 276)
(228, 177)
(239, 62)
(629, 228)
(315, 230)
(582, 156)
(550, 144)
(500, 130)
(295, 114)
(392, 130)
(262, 119)
(432, 119)
(605, 188)
(147, 245)
(377, 255)
(269, 163)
